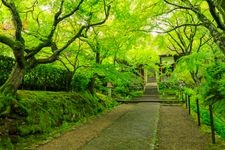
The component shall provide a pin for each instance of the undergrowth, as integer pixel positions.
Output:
(219, 120)
(48, 111)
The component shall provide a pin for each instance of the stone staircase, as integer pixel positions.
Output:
(151, 94)
(151, 87)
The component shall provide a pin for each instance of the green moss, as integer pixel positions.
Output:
(5, 143)
(48, 111)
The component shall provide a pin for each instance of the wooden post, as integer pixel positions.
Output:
(198, 112)
(212, 124)
(185, 98)
(180, 95)
(189, 104)
(109, 85)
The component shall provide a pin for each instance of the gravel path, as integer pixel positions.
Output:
(177, 131)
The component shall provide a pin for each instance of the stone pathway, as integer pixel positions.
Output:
(136, 126)
(129, 126)
(134, 130)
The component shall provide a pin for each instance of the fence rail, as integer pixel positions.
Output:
(187, 100)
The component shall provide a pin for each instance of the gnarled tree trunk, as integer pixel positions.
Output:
(8, 91)
(10, 87)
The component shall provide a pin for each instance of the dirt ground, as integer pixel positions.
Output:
(177, 131)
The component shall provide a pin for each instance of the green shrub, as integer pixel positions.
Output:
(47, 77)
(80, 82)
(219, 122)
(213, 87)
(126, 83)
(168, 87)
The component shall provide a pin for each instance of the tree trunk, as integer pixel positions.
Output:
(218, 37)
(91, 85)
(10, 87)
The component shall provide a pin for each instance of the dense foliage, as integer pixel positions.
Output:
(214, 84)
(44, 77)
(47, 77)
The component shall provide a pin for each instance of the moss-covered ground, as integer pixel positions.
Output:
(47, 114)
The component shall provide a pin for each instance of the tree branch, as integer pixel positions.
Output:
(64, 64)
(56, 21)
(213, 29)
(201, 43)
(57, 52)
(16, 19)
(215, 15)
(177, 42)
(182, 25)
(173, 49)
(72, 12)
(178, 6)
(7, 41)
(107, 10)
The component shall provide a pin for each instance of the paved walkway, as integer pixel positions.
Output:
(129, 126)
(135, 130)
(178, 131)
(134, 126)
